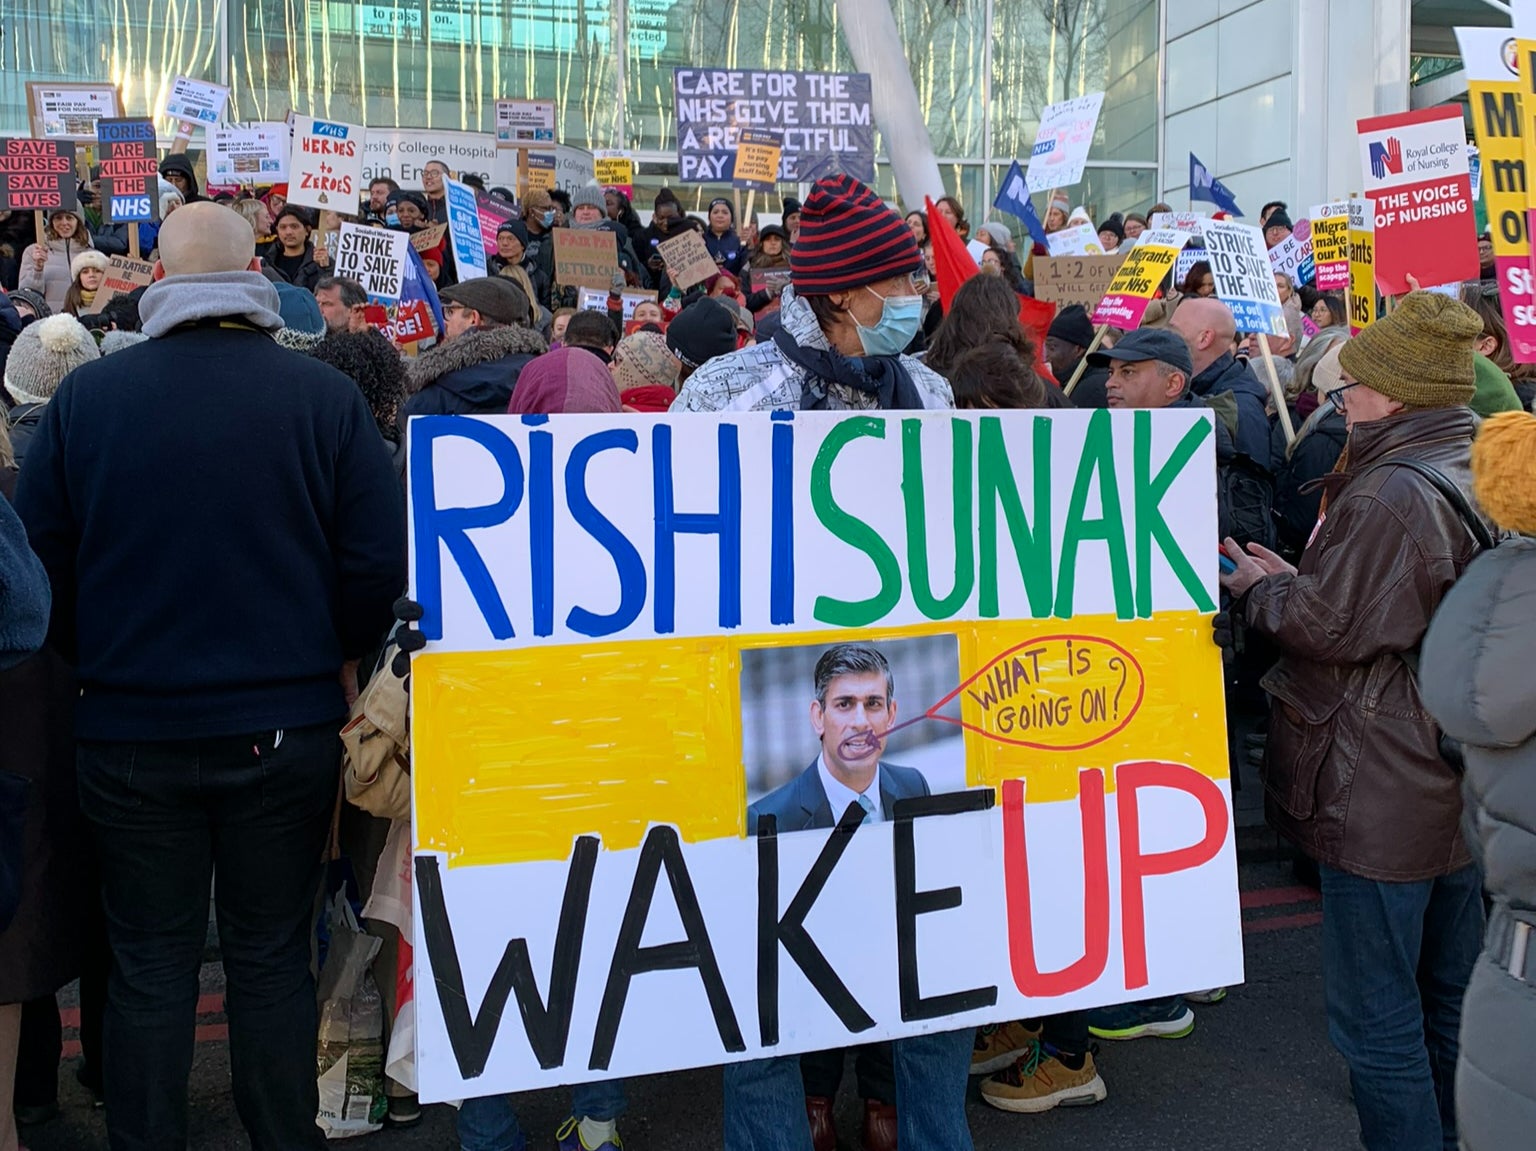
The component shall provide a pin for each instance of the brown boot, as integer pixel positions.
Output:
(879, 1126)
(818, 1109)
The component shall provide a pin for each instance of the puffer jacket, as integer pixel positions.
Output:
(1477, 684)
(1353, 773)
(472, 374)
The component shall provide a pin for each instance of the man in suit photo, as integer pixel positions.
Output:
(853, 710)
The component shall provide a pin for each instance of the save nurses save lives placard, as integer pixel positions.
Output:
(1415, 169)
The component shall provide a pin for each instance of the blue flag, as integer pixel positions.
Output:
(1204, 186)
(1013, 198)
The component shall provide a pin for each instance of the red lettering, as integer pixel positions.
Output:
(1027, 976)
(1135, 867)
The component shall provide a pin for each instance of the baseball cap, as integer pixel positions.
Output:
(1147, 344)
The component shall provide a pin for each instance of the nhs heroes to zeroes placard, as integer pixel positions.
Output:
(649, 637)
(825, 118)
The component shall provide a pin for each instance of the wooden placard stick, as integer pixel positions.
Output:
(1277, 391)
(1082, 364)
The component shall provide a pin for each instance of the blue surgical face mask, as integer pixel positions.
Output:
(392, 220)
(548, 219)
(900, 317)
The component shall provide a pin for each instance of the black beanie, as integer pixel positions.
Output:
(701, 331)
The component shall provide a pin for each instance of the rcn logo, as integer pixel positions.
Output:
(1386, 157)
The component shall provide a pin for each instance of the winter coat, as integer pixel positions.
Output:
(539, 257)
(179, 163)
(40, 950)
(1229, 374)
(22, 421)
(1477, 685)
(1297, 497)
(54, 280)
(309, 273)
(728, 250)
(1353, 773)
(472, 374)
(762, 379)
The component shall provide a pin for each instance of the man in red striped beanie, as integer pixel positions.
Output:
(854, 303)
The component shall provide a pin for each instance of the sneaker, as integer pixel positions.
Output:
(569, 1136)
(999, 1044)
(1162, 1018)
(1039, 1081)
(1214, 995)
(404, 1111)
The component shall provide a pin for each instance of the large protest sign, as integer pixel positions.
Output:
(124, 274)
(1362, 265)
(400, 154)
(1330, 246)
(375, 258)
(1056, 830)
(1415, 168)
(1244, 279)
(254, 154)
(1126, 298)
(687, 259)
(585, 258)
(614, 169)
(1061, 145)
(1292, 256)
(525, 123)
(464, 230)
(197, 101)
(1067, 280)
(1494, 98)
(130, 170)
(70, 111)
(325, 166)
(37, 175)
(825, 119)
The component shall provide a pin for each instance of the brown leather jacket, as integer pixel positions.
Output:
(1353, 774)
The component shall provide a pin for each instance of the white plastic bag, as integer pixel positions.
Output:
(350, 1051)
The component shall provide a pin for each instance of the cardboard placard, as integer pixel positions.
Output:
(687, 258)
(1125, 300)
(37, 175)
(70, 111)
(824, 118)
(1362, 265)
(123, 275)
(1060, 151)
(522, 123)
(667, 885)
(596, 300)
(1077, 240)
(464, 230)
(130, 170)
(429, 237)
(758, 151)
(585, 258)
(1415, 170)
(375, 258)
(325, 166)
(1067, 280)
(1245, 281)
(1292, 256)
(1190, 222)
(196, 101)
(254, 154)
(543, 172)
(1330, 246)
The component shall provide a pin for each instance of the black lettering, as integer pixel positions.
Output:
(910, 903)
(790, 930)
(661, 849)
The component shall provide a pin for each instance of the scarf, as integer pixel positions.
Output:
(178, 300)
(87, 297)
(883, 377)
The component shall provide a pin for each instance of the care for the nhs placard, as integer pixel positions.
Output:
(738, 736)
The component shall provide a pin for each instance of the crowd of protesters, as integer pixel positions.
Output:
(165, 746)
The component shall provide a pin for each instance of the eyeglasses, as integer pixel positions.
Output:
(1336, 397)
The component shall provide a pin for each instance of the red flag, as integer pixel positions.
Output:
(952, 264)
(1036, 316)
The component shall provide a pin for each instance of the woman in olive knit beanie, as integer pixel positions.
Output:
(1419, 354)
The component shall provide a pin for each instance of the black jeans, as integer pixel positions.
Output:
(872, 1064)
(250, 814)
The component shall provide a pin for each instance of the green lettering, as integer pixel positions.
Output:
(1150, 524)
(917, 519)
(1098, 459)
(852, 531)
(1031, 545)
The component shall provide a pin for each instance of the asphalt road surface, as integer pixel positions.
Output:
(1257, 1074)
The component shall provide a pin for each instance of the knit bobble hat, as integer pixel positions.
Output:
(43, 354)
(1114, 224)
(1420, 353)
(1503, 467)
(90, 258)
(849, 238)
(590, 196)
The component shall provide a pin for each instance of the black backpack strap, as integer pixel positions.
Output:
(1453, 495)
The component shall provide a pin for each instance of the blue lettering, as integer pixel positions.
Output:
(452, 525)
(781, 593)
(726, 523)
(541, 525)
(626, 558)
